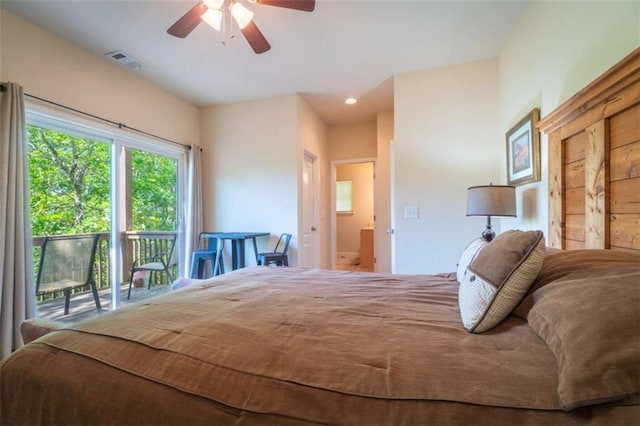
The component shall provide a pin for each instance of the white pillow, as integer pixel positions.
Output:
(469, 253)
(498, 278)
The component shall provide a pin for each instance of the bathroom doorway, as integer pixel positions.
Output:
(353, 214)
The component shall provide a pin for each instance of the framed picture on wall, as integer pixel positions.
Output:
(523, 150)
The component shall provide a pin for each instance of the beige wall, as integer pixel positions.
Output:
(352, 141)
(446, 139)
(250, 170)
(348, 226)
(53, 69)
(556, 50)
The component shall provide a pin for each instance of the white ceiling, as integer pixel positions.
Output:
(342, 48)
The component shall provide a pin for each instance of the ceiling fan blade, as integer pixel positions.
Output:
(304, 5)
(258, 43)
(188, 22)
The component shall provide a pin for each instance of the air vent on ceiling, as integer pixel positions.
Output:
(125, 59)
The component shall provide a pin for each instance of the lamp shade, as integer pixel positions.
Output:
(491, 200)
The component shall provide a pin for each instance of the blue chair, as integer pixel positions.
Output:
(207, 251)
(279, 258)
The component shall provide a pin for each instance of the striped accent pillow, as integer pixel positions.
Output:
(499, 277)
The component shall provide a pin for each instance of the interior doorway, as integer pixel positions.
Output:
(353, 215)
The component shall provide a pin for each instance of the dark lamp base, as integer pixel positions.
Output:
(488, 234)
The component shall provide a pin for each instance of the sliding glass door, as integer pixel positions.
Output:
(85, 179)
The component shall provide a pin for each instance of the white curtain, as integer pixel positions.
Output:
(17, 289)
(194, 203)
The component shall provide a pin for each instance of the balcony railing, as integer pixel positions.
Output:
(135, 245)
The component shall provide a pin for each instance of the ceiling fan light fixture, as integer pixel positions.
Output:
(216, 14)
(213, 17)
(214, 4)
(241, 14)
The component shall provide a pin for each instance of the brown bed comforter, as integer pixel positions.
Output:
(289, 346)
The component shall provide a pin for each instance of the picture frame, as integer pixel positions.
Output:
(523, 150)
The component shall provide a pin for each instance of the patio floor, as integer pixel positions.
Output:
(83, 307)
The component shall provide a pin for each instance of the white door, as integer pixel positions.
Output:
(309, 213)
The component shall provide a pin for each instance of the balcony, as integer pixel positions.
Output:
(83, 307)
(135, 245)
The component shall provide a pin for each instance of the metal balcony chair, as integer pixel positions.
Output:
(162, 261)
(66, 262)
(207, 251)
(279, 258)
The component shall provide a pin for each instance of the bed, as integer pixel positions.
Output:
(292, 346)
(553, 337)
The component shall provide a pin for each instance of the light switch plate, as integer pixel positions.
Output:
(411, 212)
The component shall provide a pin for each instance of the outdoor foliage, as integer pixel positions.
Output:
(68, 182)
(153, 192)
(70, 186)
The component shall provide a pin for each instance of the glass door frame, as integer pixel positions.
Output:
(58, 119)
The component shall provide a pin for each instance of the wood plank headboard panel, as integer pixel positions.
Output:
(594, 163)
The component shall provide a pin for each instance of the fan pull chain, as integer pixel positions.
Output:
(227, 25)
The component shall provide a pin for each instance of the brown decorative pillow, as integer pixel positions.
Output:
(587, 310)
(576, 264)
(499, 277)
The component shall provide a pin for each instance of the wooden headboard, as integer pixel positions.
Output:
(594, 163)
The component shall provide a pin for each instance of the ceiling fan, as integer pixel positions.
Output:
(214, 13)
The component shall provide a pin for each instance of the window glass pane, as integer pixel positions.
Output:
(153, 219)
(69, 183)
(154, 181)
(69, 189)
(344, 196)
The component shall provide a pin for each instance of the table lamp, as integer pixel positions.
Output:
(491, 200)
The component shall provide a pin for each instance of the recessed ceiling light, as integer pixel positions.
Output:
(350, 100)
